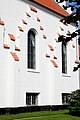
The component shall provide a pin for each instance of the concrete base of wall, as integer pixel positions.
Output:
(32, 109)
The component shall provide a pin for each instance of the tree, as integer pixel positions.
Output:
(72, 18)
(74, 100)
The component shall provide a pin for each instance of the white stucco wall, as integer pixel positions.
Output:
(15, 78)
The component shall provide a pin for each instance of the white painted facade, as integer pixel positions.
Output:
(15, 77)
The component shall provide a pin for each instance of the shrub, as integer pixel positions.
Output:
(74, 100)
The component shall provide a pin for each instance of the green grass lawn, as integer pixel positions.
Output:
(42, 115)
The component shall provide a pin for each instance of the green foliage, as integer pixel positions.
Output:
(41, 115)
(74, 100)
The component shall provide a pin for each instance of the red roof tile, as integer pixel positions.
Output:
(77, 62)
(28, 14)
(52, 5)
(14, 56)
(55, 57)
(16, 48)
(73, 45)
(21, 29)
(51, 48)
(24, 21)
(54, 63)
(61, 28)
(2, 22)
(56, 39)
(33, 9)
(38, 19)
(47, 55)
(41, 28)
(6, 46)
(12, 37)
(44, 36)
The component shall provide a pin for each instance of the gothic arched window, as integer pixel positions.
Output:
(64, 57)
(31, 49)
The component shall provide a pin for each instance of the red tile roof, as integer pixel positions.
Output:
(52, 5)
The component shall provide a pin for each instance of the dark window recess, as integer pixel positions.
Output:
(31, 50)
(32, 98)
(64, 58)
(65, 98)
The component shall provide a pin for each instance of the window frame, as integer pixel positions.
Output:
(65, 98)
(64, 58)
(31, 45)
(32, 99)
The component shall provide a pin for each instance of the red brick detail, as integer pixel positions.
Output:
(69, 32)
(28, 14)
(77, 62)
(24, 21)
(79, 52)
(51, 48)
(73, 45)
(41, 28)
(55, 39)
(2, 22)
(66, 24)
(54, 63)
(38, 19)
(12, 37)
(6, 46)
(17, 49)
(21, 29)
(61, 28)
(33, 9)
(55, 57)
(47, 55)
(58, 34)
(44, 36)
(14, 56)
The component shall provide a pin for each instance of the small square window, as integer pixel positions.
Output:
(65, 98)
(32, 98)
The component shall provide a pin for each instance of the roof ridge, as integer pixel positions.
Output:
(52, 5)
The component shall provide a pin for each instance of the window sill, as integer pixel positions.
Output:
(66, 75)
(33, 71)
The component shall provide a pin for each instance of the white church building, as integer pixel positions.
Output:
(35, 69)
